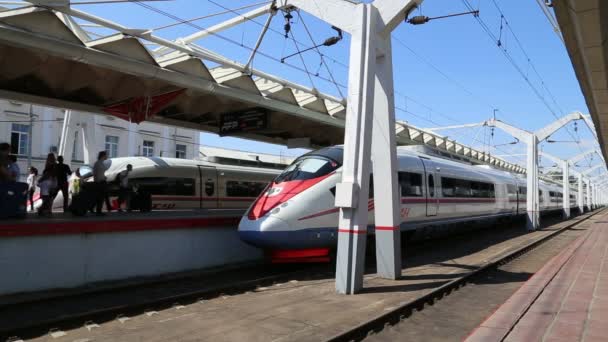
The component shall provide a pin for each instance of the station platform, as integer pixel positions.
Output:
(566, 300)
(66, 253)
(305, 306)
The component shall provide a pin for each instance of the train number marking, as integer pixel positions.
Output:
(163, 206)
(405, 212)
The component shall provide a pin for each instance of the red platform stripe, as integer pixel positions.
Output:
(301, 260)
(386, 228)
(300, 253)
(107, 226)
(352, 231)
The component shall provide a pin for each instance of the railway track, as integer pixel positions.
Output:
(183, 292)
(402, 312)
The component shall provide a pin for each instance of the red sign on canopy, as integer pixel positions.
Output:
(138, 109)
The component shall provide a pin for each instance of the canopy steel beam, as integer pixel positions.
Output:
(237, 20)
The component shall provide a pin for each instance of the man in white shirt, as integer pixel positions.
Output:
(101, 186)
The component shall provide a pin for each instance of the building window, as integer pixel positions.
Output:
(148, 148)
(112, 146)
(180, 151)
(20, 139)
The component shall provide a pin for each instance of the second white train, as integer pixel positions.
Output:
(297, 213)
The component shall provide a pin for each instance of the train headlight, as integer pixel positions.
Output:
(275, 211)
(274, 191)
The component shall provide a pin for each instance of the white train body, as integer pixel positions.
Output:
(297, 212)
(187, 184)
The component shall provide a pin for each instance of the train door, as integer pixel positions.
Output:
(432, 187)
(208, 187)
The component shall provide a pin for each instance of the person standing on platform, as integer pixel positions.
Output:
(48, 185)
(101, 184)
(5, 150)
(63, 172)
(124, 194)
(13, 168)
(32, 180)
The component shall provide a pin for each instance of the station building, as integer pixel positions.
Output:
(119, 137)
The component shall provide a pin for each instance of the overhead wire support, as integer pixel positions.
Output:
(421, 19)
(328, 42)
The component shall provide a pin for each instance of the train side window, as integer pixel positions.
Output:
(209, 187)
(431, 184)
(453, 187)
(165, 186)
(244, 188)
(511, 189)
(482, 190)
(411, 184)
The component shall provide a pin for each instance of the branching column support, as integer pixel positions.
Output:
(369, 135)
(531, 139)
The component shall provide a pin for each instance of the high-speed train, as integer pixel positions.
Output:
(296, 213)
(186, 184)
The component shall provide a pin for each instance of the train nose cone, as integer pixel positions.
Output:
(265, 232)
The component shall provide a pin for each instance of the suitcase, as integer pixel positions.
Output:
(84, 200)
(141, 201)
(13, 199)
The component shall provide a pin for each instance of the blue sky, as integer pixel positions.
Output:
(446, 72)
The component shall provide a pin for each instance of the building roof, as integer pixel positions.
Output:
(240, 157)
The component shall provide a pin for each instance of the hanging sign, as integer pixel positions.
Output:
(244, 121)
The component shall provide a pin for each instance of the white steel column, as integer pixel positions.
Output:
(565, 182)
(66, 140)
(352, 192)
(580, 199)
(532, 199)
(370, 74)
(387, 194)
(566, 189)
(588, 203)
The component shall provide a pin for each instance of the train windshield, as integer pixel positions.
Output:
(307, 167)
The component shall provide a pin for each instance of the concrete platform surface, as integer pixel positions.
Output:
(566, 300)
(307, 309)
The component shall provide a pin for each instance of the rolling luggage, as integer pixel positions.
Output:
(141, 201)
(84, 200)
(13, 199)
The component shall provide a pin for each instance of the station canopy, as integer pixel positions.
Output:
(583, 28)
(47, 58)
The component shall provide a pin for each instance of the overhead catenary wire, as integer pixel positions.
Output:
(421, 117)
(275, 31)
(229, 40)
(232, 10)
(321, 56)
(517, 67)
